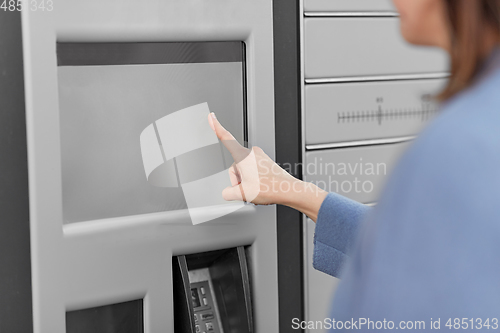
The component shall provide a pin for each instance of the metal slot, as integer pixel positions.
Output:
(359, 143)
(402, 77)
(352, 14)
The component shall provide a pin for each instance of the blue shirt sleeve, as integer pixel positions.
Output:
(336, 228)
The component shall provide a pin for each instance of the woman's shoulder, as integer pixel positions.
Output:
(461, 145)
(468, 126)
(450, 172)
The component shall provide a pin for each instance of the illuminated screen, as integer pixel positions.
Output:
(110, 92)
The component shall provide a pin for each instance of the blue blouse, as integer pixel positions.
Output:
(430, 249)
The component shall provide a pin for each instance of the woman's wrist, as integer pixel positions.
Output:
(302, 196)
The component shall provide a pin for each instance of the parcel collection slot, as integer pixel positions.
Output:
(373, 46)
(351, 112)
(212, 292)
(349, 6)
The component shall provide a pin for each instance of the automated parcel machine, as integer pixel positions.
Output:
(110, 252)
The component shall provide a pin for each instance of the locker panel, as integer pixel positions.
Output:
(348, 5)
(362, 111)
(364, 46)
(358, 173)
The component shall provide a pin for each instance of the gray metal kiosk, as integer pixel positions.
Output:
(104, 253)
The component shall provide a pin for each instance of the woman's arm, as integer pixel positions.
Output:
(337, 226)
(306, 198)
(256, 178)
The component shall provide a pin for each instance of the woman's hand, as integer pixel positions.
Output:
(256, 178)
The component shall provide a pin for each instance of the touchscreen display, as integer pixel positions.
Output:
(110, 92)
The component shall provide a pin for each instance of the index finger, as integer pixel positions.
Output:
(238, 152)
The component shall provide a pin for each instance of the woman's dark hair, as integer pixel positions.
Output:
(468, 21)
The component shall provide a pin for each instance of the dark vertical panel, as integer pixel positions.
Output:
(183, 306)
(229, 274)
(15, 270)
(288, 150)
(126, 317)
